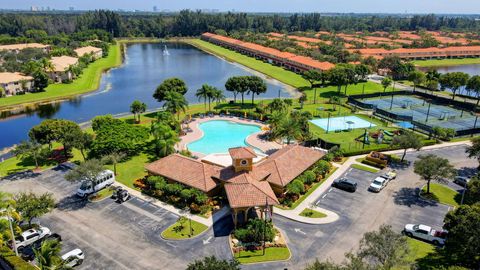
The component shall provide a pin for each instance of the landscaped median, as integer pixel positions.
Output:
(247, 243)
(310, 213)
(441, 193)
(102, 194)
(184, 228)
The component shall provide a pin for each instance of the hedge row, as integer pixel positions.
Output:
(14, 261)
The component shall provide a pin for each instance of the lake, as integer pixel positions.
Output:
(144, 68)
(473, 69)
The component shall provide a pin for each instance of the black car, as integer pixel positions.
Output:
(345, 184)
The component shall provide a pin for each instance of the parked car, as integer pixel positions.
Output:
(103, 180)
(73, 258)
(461, 180)
(345, 184)
(31, 236)
(27, 252)
(390, 175)
(424, 232)
(378, 184)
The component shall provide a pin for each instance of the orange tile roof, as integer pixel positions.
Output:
(23, 46)
(463, 50)
(244, 191)
(86, 50)
(284, 56)
(242, 152)
(288, 163)
(9, 77)
(187, 171)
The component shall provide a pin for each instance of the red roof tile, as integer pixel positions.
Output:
(242, 152)
(185, 170)
(244, 191)
(288, 163)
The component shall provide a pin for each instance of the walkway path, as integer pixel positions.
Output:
(309, 202)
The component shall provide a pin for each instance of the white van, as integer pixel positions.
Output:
(104, 179)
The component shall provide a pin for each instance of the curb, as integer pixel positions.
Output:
(186, 239)
(423, 198)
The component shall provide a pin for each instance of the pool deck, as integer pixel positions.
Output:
(254, 140)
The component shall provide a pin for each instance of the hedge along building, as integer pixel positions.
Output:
(290, 61)
(248, 185)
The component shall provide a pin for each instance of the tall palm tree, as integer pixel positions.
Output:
(48, 255)
(207, 92)
(114, 158)
(175, 103)
(47, 65)
(218, 96)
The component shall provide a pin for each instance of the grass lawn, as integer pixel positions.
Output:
(88, 81)
(346, 139)
(447, 62)
(271, 254)
(288, 77)
(441, 193)
(184, 233)
(132, 169)
(365, 168)
(307, 212)
(102, 194)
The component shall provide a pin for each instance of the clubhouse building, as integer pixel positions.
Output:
(247, 184)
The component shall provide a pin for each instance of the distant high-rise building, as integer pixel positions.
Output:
(71, 8)
(33, 8)
(155, 9)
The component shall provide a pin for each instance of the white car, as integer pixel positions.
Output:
(426, 233)
(73, 258)
(390, 175)
(31, 236)
(378, 184)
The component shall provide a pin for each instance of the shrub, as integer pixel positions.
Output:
(322, 167)
(139, 183)
(173, 189)
(328, 157)
(295, 187)
(152, 181)
(255, 230)
(374, 164)
(14, 261)
(309, 177)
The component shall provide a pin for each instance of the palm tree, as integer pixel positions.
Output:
(175, 103)
(290, 129)
(48, 255)
(47, 65)
(218, 96)
(277, 105)
(203, 93)
(114, 158)
(165, 139)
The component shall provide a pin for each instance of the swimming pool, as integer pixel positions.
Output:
(342, 123)
(220, 135)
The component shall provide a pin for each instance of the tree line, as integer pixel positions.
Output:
(193, 23)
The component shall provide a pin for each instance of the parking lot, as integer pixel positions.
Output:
(362, 211)
(127, 236)
(118, 236)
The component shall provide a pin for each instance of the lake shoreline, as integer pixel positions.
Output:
(446, 62)
(111, 61)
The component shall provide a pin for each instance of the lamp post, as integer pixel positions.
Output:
(428, 112)
(14, 245)
(463, 192)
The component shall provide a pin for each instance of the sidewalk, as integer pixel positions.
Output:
(309, 202)
(206, 221)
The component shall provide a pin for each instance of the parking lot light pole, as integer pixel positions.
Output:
(14, 245)
(463, 192)
(328, 122)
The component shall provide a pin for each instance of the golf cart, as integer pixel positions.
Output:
(120, 195)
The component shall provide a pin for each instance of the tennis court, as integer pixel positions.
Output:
(421, 111)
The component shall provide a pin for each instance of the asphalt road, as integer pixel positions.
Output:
(127, 236)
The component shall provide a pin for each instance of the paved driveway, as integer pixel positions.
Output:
(119, 236)
(364, 211)
(127, 236)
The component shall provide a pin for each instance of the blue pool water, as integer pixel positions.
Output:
(340, 123)
(220, 135)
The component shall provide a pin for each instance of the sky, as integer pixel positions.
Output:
(343, 6)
